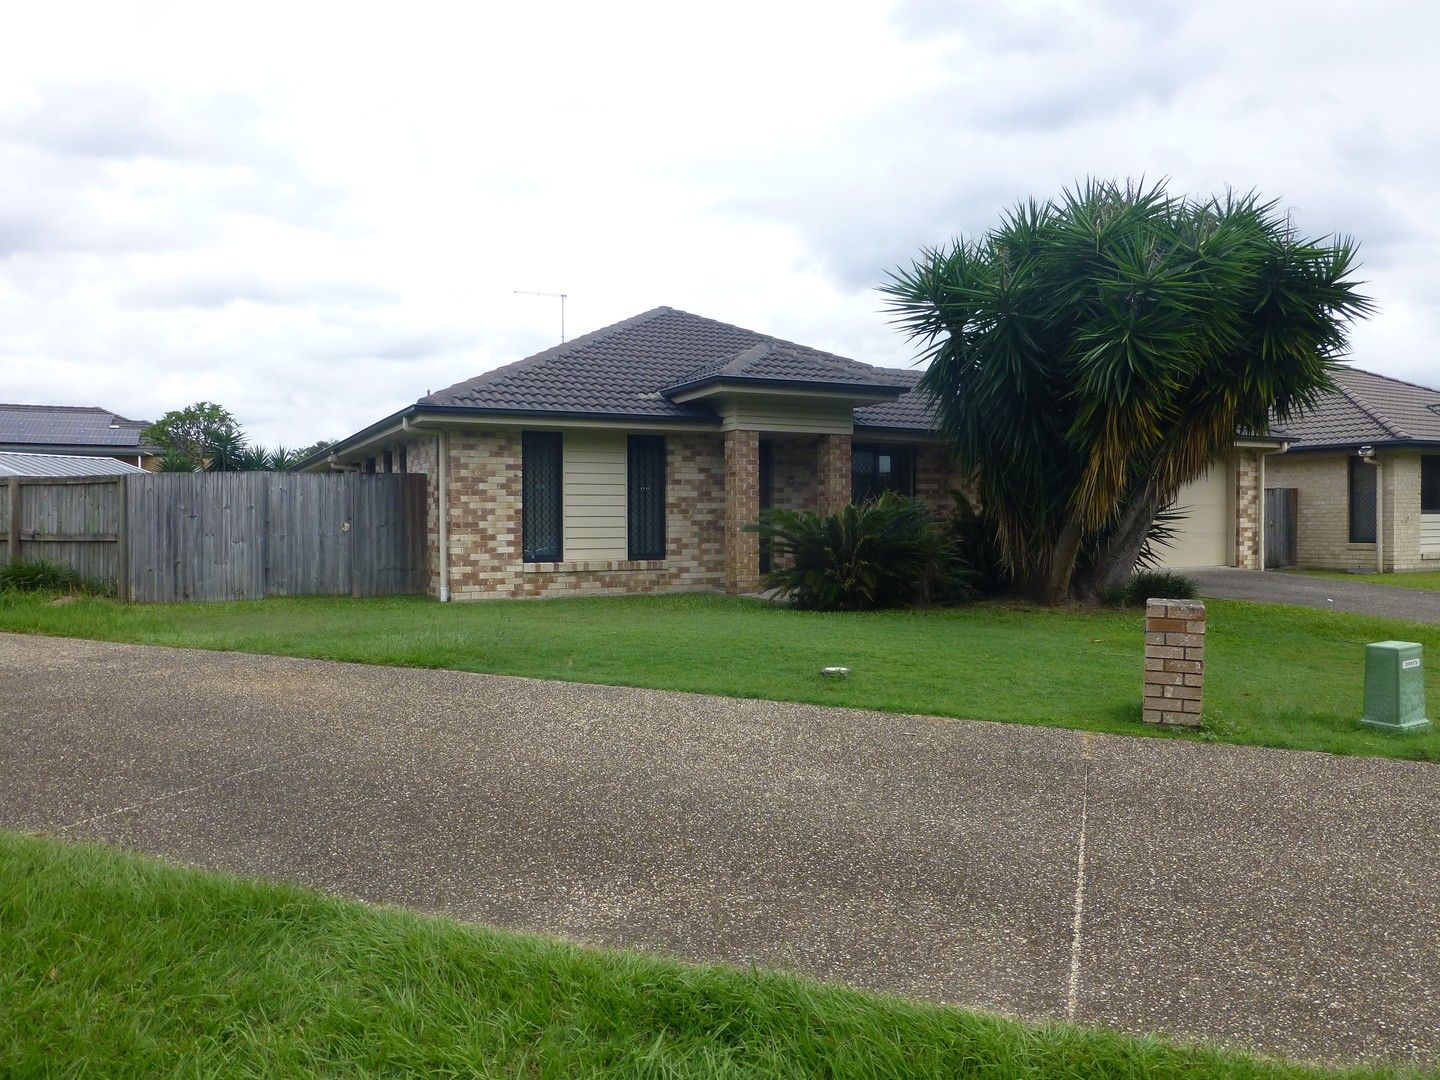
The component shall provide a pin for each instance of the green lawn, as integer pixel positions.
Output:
(1276, 676)
(1420, 579)
(114, 965)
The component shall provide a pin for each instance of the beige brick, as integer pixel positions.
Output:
(1184, 692)
(1195, 653)
(1194, 680)
(1189, 641)
(1192, 667)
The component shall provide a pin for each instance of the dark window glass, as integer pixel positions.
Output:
(645, 489)
(369, 464)
(875, 468)
(1430, 484)
(403, 466)
(389, 461)
(1362, 502)
(540, 495)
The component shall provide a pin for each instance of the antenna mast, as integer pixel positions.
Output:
(556, 295)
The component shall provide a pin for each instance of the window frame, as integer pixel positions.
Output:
(651, 451)
(1354, 535)
(1430, 485)
(534, 444)
(899, 452)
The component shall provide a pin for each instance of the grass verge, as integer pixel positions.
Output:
(1415, 579)
(1276, 676)
(116, 965)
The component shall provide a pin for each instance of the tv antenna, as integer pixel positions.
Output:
(555, 295)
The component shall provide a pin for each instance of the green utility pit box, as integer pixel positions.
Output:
(1395, 686)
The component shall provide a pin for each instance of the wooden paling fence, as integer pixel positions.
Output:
(224, 536)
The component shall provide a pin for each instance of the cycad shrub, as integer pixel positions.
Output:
(887, 552)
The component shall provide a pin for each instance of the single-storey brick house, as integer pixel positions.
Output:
(632, 458)
(1365, 466)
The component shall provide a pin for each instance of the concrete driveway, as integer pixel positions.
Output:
(1327, 594)
(1284, 901)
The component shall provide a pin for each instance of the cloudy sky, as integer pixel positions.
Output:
(313, 214)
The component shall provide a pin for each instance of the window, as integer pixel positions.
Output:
(1362, 502)
(541, 454)
(1430, 484)
(369, 464)
(403, 466)
(875, 468)
(389, 458)
(645, 488)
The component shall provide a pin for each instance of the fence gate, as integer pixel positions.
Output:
(1280, 508)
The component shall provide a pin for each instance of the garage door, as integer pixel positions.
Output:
(1203, 538)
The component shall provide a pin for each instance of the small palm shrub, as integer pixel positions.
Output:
(884, 553)
(1162, 583)
(41, 575)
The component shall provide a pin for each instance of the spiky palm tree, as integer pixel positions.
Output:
(1093, 354)
(224, 451)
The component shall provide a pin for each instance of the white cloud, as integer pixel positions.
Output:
(316, 213)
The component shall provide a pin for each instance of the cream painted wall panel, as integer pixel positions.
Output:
(1207, 535)
(787, 414)
(594, 494)
(1430, 536)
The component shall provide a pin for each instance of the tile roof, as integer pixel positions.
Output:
(623, 369)
(69, 426)
(62, 465)
(1368, 408)
(911, 410)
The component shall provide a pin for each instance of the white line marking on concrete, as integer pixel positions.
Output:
(1072, 996)
(162, 798)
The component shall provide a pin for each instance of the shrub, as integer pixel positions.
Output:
(884, 553)
(41, 575)
(1148, 583)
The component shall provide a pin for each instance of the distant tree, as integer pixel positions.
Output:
(170, 461)
(314, 448)
(191, 434)
(225, 451)
(1091, 355)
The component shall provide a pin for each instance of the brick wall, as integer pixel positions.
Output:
(937, 477)
(797, 463)
(1174, 679)
(1323, 510)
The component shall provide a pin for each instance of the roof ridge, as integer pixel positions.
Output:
(551, 353)
(58, 408)
(1391, 429)
(1388, 378)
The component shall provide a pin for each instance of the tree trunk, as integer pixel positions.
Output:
(1115, 561)
(1056, 588)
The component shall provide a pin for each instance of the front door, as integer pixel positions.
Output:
(767, 495)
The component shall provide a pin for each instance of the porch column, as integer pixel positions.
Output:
(1249, 544)
(742, 507)
(833, 483)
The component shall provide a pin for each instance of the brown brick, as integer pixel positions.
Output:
(1167, 624)
(1189, 641)
(1164, 678)
(1195, 653)
(1194, 680)
(1193, 667)
(1184, 692)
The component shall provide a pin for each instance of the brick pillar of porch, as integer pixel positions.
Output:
(742, 508)
(1249, 544)
(833, 483)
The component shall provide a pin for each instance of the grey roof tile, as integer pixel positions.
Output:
(68, 425)
(1369, 408)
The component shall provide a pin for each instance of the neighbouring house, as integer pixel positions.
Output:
(1365, 469)
(75, 430)
(631, 460)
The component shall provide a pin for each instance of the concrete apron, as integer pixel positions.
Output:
(1276, 900)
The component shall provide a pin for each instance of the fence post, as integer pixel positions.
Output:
(14, 539)
(122, 538)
